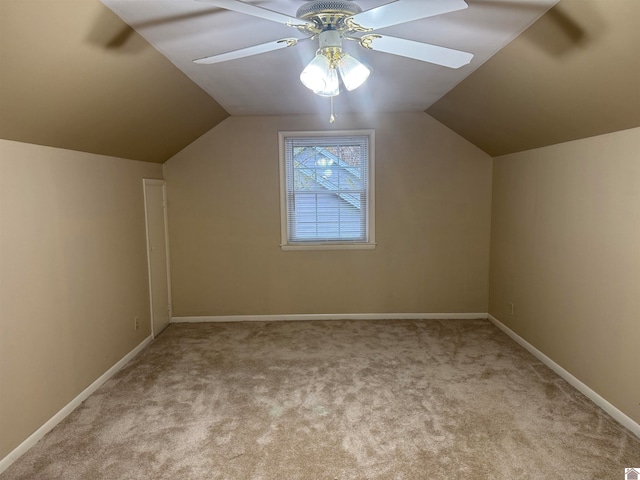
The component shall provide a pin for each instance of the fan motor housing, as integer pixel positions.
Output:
(328, 13)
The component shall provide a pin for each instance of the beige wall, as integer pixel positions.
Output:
(565, 235)
(73, 275)
(433, 194)
(565, 250)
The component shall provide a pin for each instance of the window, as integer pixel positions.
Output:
(326, 189)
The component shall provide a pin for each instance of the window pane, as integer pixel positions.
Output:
(321, 168)
(326, 188)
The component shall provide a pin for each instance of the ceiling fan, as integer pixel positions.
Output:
(333, 21)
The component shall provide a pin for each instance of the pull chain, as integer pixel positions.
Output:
(332, 118)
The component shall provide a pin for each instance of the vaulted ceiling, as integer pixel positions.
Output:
(269, 83)
(573, 74)
(74, 75)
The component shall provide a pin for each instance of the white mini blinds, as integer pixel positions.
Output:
(326, 183)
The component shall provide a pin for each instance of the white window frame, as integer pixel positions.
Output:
(370, 219)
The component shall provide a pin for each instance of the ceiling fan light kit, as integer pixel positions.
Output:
(353, 72)
(321, 74)
(314, 76)
(331, 22)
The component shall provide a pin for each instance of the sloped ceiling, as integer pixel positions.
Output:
(268, 84)
(575, 73)
(73, 75)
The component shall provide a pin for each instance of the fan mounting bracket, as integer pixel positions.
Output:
(329, 14)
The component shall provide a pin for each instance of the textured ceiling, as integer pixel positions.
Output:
(73, 75)
(573, 74)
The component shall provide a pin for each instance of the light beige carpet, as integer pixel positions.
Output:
(341, 400)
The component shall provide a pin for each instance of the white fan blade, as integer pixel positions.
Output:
(249, 51)
(405, 11)
(241, 7)
(446, 57)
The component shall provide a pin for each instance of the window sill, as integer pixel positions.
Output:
(329, 246)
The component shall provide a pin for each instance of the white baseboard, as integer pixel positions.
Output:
(619, 416)
(58, 417)
(67, 409)
(328, 316)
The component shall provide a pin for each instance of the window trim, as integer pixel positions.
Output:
(333, 244)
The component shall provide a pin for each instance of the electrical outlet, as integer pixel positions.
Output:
(511, 309)
(136, 323)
